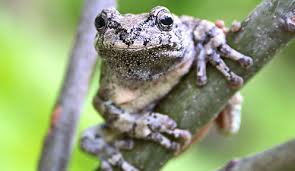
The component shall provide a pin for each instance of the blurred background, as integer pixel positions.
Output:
(35, 39)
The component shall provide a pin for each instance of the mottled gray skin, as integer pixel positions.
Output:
(144, 57)
(136, 48)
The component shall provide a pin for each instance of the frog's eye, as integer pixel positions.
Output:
(165, 20)
(100, 22)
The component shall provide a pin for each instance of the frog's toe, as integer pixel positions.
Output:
(201, 65)
(215, 60)
(228, 52)
(163, 130)
(117, 160)
(246, 62)
(105, 166)
(201, 80)
(184, 136)
(236, 81)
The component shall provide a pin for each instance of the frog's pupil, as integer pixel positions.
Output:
(99, 22)
(166, 20)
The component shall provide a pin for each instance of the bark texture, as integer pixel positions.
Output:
(280, 158)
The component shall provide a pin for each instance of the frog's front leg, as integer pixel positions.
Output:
(211, 45)
(99, 141)
(150, 126)
(155, 126)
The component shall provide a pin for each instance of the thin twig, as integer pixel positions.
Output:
(280, 158)
(58, 143)
(267, 30)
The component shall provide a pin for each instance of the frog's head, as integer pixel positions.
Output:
(140, 46)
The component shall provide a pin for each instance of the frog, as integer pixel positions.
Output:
(143, 57)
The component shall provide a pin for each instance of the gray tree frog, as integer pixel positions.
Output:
(143, 57)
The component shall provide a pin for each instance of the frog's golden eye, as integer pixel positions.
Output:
(165, 20)
(100, 22)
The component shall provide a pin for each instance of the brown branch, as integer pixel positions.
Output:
(58, 143)
(280, 158)
(267, 30)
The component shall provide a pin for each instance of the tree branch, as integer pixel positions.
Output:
(268, 29)
(276, 159)
(58, 143)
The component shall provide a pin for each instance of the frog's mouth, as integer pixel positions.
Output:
(138, 47)
(163, 49)
(147, 54)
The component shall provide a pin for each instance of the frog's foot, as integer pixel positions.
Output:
(149, 126)
(211, 45)
(229, 120)
(235, 27)
(94, 141)
(158, 128)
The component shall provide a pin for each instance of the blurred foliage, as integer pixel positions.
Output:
(35, 40)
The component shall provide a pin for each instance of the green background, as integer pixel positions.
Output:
(35, 40)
